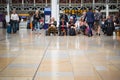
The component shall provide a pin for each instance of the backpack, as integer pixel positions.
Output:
(97, 16)
(72, 32)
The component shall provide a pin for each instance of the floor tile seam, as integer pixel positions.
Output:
(114, 66)
(45, 52)
(10, 62)
(71, 65)
(16, 76)
(5, 38)
(97, 73)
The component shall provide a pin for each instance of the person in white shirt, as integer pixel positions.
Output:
(14, 21)
(7, 18)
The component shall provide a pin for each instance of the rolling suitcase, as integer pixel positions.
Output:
(9, 29)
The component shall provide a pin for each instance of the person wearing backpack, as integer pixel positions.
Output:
(98, 18)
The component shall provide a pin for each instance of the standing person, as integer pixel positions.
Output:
(89, 17)
(14, 21)
(32, 21)
(3, 20)
(98, 20)
(36, 19)
(8, 26)
(7, 19)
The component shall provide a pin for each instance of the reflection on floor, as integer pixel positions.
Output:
(30, 56)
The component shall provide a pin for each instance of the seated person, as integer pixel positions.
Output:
(117, 25)
(52, 26)
(102, 24)
(63, 27)
(81, 25)
(71, 26)
(109, 26)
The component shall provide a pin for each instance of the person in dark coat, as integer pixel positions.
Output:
(4, 21)
(89, 17)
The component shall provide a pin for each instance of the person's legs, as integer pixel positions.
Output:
(90, 29)
(49, 29)
(14, 26)
(35, 26)
(4, 24)
(54, 30)
(11, 24)
(66, 30)
(17, 25)
(98, 30)
(38, 27)
(60, 31)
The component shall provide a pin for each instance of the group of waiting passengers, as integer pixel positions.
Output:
(87, 23)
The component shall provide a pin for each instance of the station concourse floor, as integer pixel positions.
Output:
(30, 56)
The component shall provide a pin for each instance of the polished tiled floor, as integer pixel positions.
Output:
(30, 56)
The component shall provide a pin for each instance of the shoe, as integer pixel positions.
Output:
(99, 34)
(89, 35)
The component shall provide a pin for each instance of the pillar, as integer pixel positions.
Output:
(117, 2)
(55, 10)
(69, 2)
(46, 3)
(107, 8)
(10, 2)
(34, 3)
(93, 7)
(8, 8)
(23, 3)
(81, 3)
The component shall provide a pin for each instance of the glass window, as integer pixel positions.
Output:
(40, 1)
(88, 1)
(48, 1)
(3, 1)
(15, 1)
(75, 1)
(64, 1)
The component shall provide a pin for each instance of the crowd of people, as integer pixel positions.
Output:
(88, 24)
